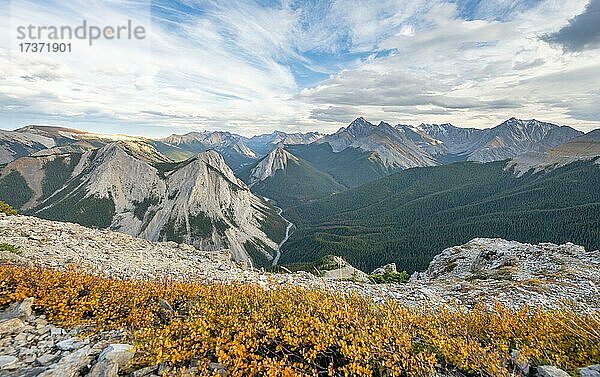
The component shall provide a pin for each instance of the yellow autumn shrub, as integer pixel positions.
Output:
(289, 331)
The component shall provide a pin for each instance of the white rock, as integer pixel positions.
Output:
(551, 371)
(120, 354)
(10, 326)
(104, 368)
(70, 344)
(591, 371)
(7, 362)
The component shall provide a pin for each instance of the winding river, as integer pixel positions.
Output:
(287, 235)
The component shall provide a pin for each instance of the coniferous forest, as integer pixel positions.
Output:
(410, 216)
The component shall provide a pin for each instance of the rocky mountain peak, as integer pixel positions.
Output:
(277, 159)
(359, 126)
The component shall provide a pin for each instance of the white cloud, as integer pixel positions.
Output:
(232, 65)
(472, 73)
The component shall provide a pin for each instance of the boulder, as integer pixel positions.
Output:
(70, 365)
(10, 326)
(7, 362)
(70, 344)
(144, 371)
(104, 368)
(388, 268)
(591, 371)
(120, 354)
(550, 371)
(46, 358)
(21, 310)
(346, 273)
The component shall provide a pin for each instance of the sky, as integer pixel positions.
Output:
(252, 67)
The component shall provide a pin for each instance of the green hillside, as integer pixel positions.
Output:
(412, 215)
(350, 167)
(14, 189)
(298, 182)
(173, 152)
(235, 160)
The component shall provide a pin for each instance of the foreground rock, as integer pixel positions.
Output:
(58, 244)
(35, 347)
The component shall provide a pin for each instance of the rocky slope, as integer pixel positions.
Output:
(14, 145)
(393, 148)
(276, 160)
(132, 188)
(586, 147)
(487, 270)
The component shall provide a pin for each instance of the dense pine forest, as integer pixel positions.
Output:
(410, 216)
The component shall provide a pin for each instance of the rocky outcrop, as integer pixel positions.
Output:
(59, 244)
(484, 258)
(517, 273)
(388, 268)
(342, 270)
(38, 348)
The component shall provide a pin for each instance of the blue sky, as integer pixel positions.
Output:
(255, 66)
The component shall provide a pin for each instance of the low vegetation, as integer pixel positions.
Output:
(10, 248)
(293, 332)
(6, 209)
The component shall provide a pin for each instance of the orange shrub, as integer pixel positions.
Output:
(290, 331)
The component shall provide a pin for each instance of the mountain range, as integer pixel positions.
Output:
(209, 188)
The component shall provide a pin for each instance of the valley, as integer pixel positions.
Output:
(370, 193)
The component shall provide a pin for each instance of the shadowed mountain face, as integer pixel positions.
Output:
(130, 187)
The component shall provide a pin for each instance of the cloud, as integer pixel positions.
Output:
(522, 65)
(581, 33)
(469, 72)
(254, 66)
